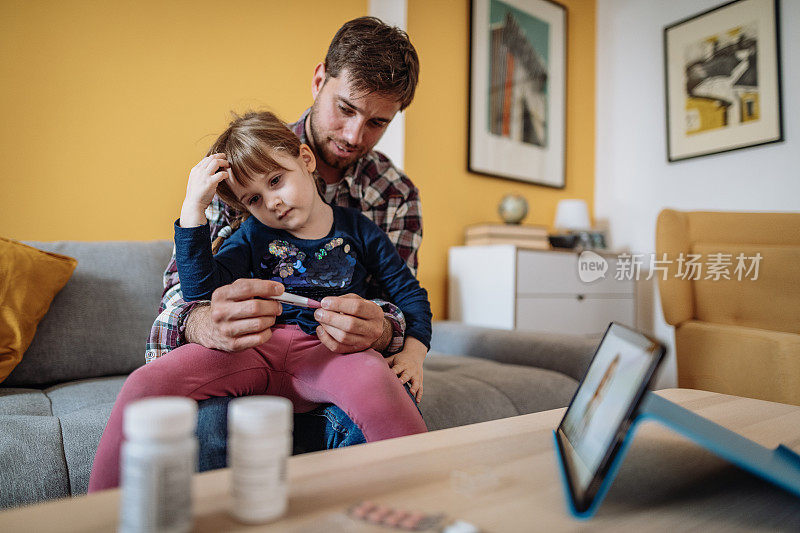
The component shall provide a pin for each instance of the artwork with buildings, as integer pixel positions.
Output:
(518, 75)
(722, 74)
(517, 90)
(722, 80)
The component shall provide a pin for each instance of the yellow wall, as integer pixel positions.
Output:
(108, 105)
(436, 135)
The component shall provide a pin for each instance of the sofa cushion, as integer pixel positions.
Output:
(29, 279)
(566, 354)
(81, 431)
(83, 408)
(450, 401)
(77, 395)
(32, 466)
(98, 324)
(528, 388)
(462, 390)
(30, 402)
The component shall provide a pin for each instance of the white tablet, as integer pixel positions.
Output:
(603, 407)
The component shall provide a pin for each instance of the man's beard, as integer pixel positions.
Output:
(320, 141)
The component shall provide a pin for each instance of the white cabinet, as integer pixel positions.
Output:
(502, 286)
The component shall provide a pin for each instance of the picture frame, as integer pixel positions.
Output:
(722, 72)
(517, 90)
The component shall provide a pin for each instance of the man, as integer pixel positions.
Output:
(369, 74)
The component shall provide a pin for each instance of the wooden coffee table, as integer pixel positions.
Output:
(501, 476)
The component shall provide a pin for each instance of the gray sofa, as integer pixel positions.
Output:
(55, 404)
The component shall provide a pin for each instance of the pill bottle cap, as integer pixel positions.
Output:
(160, 417)
(260, 415)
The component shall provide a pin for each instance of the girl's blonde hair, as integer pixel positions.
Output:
(249, 144)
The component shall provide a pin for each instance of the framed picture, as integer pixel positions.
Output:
(723, 80)
(517, 90)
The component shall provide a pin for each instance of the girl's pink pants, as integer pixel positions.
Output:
(291, 364)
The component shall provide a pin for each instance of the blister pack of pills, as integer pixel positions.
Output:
(404, 520)
(401, 519)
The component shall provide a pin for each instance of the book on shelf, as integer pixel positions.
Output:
(507, 231)
(520, 242)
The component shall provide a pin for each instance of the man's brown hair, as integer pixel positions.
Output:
(379, 58)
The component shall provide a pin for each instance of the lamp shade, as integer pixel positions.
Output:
(572, 215)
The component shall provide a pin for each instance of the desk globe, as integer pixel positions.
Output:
(513, 209)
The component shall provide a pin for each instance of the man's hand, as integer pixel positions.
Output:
(407, 364)
(350, 324)
(236, 320)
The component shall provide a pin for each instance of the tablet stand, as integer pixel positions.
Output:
(780, 466)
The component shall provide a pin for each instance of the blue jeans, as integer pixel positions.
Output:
(325, 427)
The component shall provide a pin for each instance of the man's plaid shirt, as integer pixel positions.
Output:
(372, 184)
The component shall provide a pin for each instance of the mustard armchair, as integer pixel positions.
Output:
(734, 336)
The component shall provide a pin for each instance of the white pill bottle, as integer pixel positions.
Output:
(158, 459)
(259, 443)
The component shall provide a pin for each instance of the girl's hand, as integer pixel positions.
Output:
(203, 181)
(407, 364)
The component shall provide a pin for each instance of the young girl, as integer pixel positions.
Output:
(287, 233)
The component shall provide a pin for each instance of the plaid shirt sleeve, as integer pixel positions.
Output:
(404, 227)
(167, 332)
(398, 322)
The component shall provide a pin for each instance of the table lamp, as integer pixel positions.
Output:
(572, 215)
(572, 225)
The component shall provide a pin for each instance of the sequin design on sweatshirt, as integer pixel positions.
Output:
(331, 266)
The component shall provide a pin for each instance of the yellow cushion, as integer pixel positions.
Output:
(738, 360)
(29, 280)
(772, 301)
